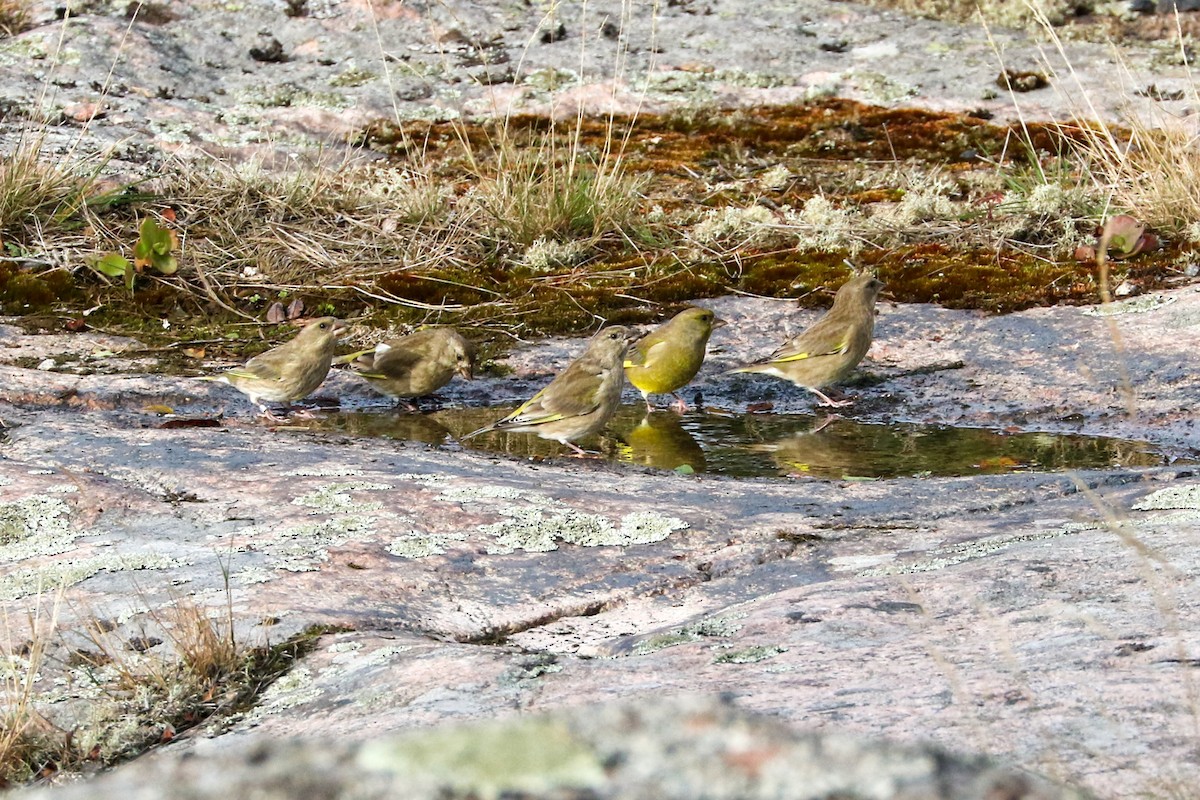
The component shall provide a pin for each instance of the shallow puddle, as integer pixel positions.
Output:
(771, 445)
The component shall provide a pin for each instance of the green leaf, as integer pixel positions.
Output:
(113, 265)
(130, 272)
(167, 264)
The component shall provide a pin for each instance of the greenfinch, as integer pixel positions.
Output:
(668, 357)
(292, 370)
(581, 400)
(414, 365)
(832, 347)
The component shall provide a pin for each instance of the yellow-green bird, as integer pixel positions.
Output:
(414, 365)
(666, 359)
(581, 400)
(832, 347)
(289, 372)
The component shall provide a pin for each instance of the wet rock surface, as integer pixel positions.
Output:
(1042, 619)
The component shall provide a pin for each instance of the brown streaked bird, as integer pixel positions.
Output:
(289, 372)
(581, 400)
(414, 365)
(668, 357)
(833, 346)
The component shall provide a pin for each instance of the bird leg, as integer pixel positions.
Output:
(826, 401)
(680, 405)
(579, 451)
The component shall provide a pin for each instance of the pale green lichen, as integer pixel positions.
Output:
(519, 757)
(296, 688)
(290, 96)
(749, 655)
(36, 525)
(1185, 497)
(1134, 305)
(820, 225)
(730, 224)
(880, 88)
(68, 573)
(775, 178)
(545, 254)
(540, 530)
(550, 79)
(334, 498)
(960, 553)
(421, 545)
(458, 494)
(748, 79)
(323, 472)
(714, 627)
(354, 76)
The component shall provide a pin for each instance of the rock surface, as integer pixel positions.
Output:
(675, 750)
(1043, 619)
(265, 76)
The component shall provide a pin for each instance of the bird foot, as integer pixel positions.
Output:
(680, 405)
(829, 402)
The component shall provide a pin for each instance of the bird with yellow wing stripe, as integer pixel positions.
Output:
(581, 400)
(668, 357)
(831, 348)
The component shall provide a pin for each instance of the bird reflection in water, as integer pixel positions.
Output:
(659, 440)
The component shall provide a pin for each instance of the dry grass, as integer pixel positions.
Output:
(127, 697)
(38, 194)
(27, 741)
(14, 17)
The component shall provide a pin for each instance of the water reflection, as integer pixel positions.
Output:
(658, 440)
(765, 445)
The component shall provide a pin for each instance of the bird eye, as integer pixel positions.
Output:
(323, 325)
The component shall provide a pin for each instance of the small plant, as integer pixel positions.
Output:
(154, 248)
(1121, 236)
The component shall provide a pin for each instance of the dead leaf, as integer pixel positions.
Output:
(76, 325)
(295, 309)
(755, 408)
(194, 352)
(276, 314)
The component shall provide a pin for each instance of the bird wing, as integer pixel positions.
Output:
(394, 362)
(573, 394)
(818, 341)
(644, 351)
(268, 366)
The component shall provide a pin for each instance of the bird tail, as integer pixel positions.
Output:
(350, 358)
(216, 378)
(472, 434)
(756, 366)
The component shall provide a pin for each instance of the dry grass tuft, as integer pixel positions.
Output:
(539, 192)
(39, 193)
(14, 17)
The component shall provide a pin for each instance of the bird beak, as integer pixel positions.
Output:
(718, 323)
(465, 371)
